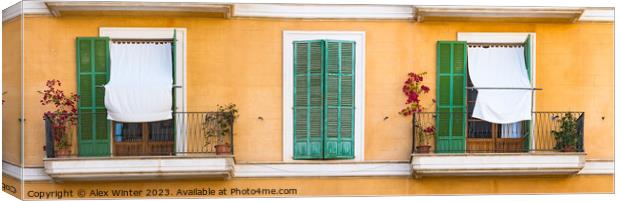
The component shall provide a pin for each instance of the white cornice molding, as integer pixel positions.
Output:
(255, 170)
(598, 167)
(317, 11)
(29, 174)
(323, 11)
(472, 13)
(28, 7)
(597, 15)
(12, 11)
(323, 170)
(57, 7)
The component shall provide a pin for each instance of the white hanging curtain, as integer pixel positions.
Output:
(140, 86)
(500, 67)
(512, 130)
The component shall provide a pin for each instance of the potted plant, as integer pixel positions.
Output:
(63, 117)
(220, 125)
(414, 90)
(567, 135)
(424, 135)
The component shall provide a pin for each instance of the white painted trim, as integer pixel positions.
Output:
(139, 168)
(287, 85)
(598, 167)
(30, 174)
(597, 15)
(323, 170)
(27, 7)
(323, 11)
(258, 170)
(496, 164)
(494, 12)
(57, 7)
(181, 60)
(12, 11)
(509, 37)
(334, 11)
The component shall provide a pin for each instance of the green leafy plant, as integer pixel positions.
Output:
(220, 123)
(567, 135)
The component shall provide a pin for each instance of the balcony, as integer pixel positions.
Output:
(181, 147)
(550, 144)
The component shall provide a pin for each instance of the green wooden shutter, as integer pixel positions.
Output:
(339, 99)
(308, 99)
(92, 71)
(528, 63)
(451, 117)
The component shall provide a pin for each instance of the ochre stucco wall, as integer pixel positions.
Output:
(11, 84)
(349, 186)
(239, 61)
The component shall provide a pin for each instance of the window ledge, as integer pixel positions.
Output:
(127, 168)
(497, 164)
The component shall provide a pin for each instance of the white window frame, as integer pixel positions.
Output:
(509, 37)
(180, 65)
(287, 86)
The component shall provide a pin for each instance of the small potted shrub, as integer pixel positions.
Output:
(414, 90)
(63, 117)
(567, 135)
(220, 125)
(424, 135)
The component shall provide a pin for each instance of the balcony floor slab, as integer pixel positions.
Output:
(139, 167)
(497, 164)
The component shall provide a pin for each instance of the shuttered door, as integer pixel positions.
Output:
(92, 70)
(308, 99)
(451, 105)
(339, 99)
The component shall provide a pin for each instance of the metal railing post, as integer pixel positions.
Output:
(413, 133)
(49, 138)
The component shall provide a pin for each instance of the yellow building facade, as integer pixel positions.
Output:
(240, 60)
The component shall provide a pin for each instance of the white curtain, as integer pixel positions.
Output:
(140, 86)
(512, 130)
(502, 67)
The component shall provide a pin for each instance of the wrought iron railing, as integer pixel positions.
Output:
(188, 133)
(460, 133)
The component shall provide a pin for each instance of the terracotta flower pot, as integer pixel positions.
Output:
(61, 153)
(423, 149)
(222, 149)
(569, 149)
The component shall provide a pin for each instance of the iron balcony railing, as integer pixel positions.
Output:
(460, 133)
(187, 133)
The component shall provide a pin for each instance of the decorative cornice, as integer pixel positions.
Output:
(556, 14)
(255, 170)
(322, 11)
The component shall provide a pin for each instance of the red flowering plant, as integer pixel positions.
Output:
(64, 115)
(414, 90)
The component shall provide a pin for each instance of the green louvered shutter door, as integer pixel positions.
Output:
(451, 90)
(528, 65)
(339, 99)
(92, 71)
(308, 99)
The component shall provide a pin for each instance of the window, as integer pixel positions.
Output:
(326, 142)
(152, 138)
(324, 99)
(457, 130)
(96, 134)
